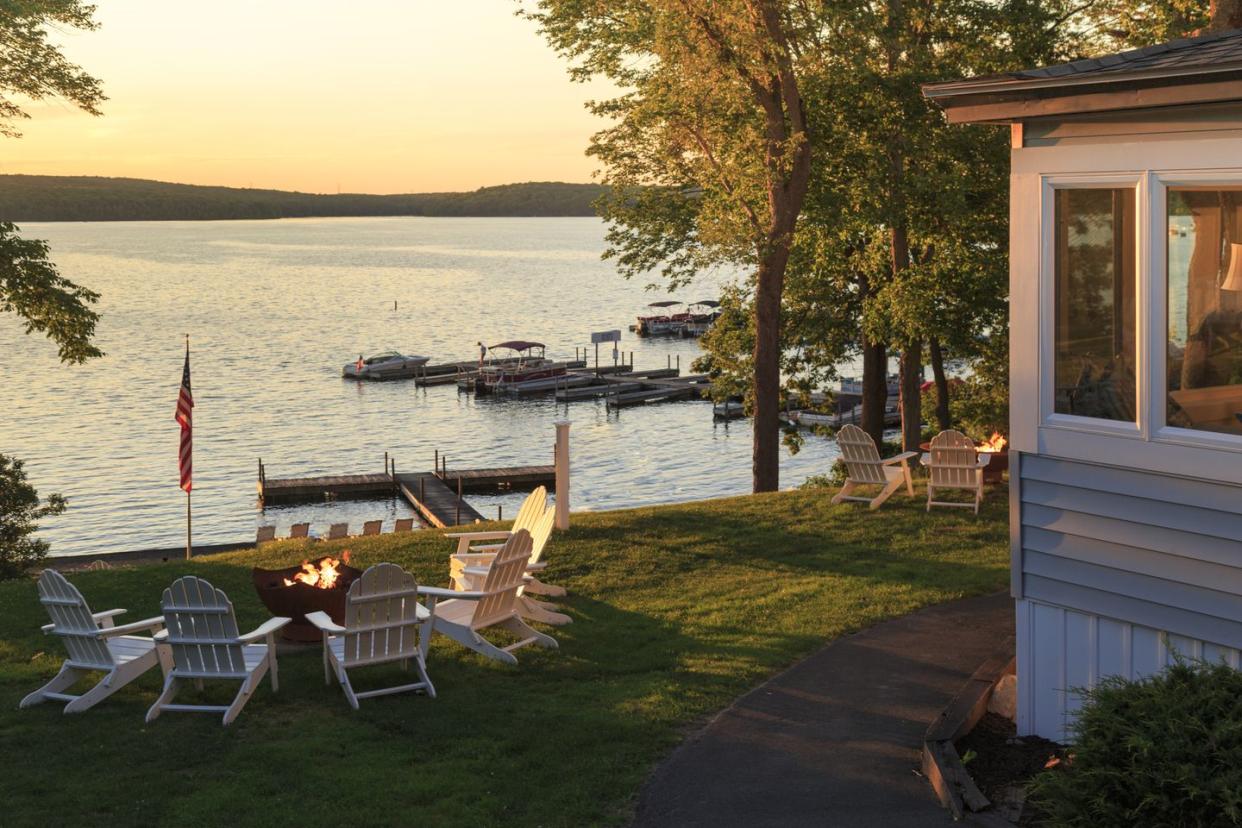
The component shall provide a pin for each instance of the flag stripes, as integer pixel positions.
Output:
(185, 407)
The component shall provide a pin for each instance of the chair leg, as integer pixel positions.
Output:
(271, 660)
(243, 695)
(537, 611)
(931, 491)
(845, 492)
(905, 469)
(350, 696)
(469, 638)
(520, 628)
(63, 680)
(326, 666)
(422, 674)
(170, 690)
(892, 486)
(538, 587)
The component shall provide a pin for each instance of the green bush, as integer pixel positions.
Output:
(19, 515)
(1166, 750)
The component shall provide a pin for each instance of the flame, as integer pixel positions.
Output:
(993, 444)
(322, 576)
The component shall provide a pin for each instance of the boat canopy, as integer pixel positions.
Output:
(516, 345)
(707, 303)
(667, 303)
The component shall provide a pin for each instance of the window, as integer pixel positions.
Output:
(1094, 356)
(1204, 383)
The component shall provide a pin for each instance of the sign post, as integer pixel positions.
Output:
(605, 336)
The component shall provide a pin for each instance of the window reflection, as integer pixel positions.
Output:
(1205, 309)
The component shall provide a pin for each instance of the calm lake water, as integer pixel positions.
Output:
(274, 309)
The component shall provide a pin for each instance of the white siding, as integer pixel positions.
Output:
(1062, 649)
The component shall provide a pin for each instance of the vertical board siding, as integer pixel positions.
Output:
(1061, 651)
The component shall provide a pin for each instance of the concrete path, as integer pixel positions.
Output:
(836, 739)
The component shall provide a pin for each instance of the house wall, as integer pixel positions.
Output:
(1126, 538)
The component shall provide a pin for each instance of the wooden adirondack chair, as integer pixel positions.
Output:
(93, 643)
(372, 527)
(338, 530)
(384, 622)
(865, 468)
(469, 569)
(954, 463)
(404, 525)
(532, 508)
(299, 530)
(264, 534)
(465, 614)
(201, 631)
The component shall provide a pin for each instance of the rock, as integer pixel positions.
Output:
(1004, 701)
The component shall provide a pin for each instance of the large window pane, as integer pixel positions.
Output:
(1205, 309)
(1095, 332)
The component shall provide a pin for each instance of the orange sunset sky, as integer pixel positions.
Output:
(379, 96)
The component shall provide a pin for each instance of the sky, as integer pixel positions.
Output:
(376, 96)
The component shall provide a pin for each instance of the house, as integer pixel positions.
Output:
(1126, 361)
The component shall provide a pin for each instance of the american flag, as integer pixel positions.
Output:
(185, 407)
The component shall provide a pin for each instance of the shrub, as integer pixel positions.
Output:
(19, 515)
(1166, 750)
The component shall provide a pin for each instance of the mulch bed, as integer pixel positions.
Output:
(1004, 763)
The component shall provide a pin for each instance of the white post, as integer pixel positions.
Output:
(561, 460)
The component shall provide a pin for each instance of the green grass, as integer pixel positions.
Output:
(677, 611)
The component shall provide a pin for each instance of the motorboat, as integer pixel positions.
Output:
(699, 318)
(853, 386)
(730, 409)
(384, 366)
(663, 321)
(520, 361)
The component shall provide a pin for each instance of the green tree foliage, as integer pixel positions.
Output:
(73, 198)
(32, 288)
(20, 513)
(1166, 750)
(708, 153)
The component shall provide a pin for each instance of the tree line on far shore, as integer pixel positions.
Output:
(89, 198)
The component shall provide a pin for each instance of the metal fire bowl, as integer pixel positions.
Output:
(298, 600)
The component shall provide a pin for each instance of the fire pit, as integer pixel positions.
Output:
(997, 446)
(311, 587)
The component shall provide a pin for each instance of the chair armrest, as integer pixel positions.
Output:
(104, 619)
(477, 570)
(475, 558)
(538, 566)
(501, 534)
(492, 548)
(325, 623)
(161, 636)
(440, 592)
(899, 458)
(268, 627)
(154, 624)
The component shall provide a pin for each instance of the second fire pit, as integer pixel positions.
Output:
(316, 586)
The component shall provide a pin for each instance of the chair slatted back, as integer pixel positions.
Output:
(862, 461)
(404, 525)
(954, 461)
(532, 508)
(265, 534)
(299, 530)
(202, 631)
(504, 578)
(73, 623)
(372, 527)
(381, 616)
(540, 533)
(338, 530)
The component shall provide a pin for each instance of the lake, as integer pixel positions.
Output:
(274, 309)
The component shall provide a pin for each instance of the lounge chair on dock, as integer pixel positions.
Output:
(372, 527)
(299, 530)
(404, 525)
(265, 534)
(338, 531)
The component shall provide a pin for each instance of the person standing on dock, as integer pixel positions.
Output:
(482, 353)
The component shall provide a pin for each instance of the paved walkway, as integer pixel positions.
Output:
(836, 739)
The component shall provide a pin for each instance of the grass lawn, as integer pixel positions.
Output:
(677, 611)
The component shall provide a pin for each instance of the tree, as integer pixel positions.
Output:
(709, 157)
(30, 286)
(20, 513)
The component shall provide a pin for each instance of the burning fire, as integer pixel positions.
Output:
(322, 576)
(994, 443)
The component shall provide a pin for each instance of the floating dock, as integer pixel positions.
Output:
(436, 503)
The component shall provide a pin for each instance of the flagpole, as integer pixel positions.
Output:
(189, 548)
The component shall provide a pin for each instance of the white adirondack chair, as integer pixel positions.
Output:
(93, 643)
(954, 463)
(865, 468)
(533, 508)
(201, 632)
(465, 614)
(469, 569)
(384, 622)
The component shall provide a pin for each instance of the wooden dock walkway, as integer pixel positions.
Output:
(302, 489)
(507, 477)
(435, 502)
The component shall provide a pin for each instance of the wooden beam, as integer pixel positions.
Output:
(1099, 101)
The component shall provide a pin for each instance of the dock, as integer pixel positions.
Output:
(435, 495)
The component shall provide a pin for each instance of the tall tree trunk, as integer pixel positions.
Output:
(943, 419)
(766, 437)
(874, 388)
(911, 396)
(1226, 14)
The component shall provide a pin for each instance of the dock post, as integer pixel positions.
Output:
(679, 365)
(422, 490)
(500, 511)
(670, 360)
(385, 462)
(457, 520)
(560, 458)
(436, 465)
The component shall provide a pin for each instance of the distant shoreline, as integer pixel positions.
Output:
(48, 198)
